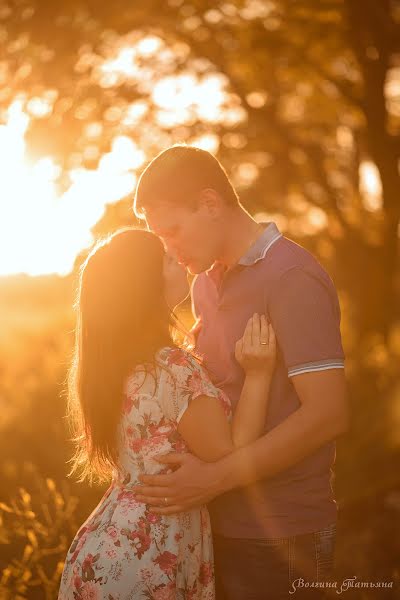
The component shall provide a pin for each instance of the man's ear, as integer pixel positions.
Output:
(211, 201)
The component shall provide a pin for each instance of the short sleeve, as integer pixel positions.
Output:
(190, 380)
(305, 314)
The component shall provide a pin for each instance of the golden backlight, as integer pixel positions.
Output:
(41, 232)
(42, 229)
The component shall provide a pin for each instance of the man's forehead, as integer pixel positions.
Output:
(162, 217)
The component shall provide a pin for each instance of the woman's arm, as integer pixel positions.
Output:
(255, 352)
(303, 432)
(204, 425)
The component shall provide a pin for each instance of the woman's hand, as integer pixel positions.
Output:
(256, 350)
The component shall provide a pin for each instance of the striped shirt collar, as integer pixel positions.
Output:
(263, 243)
(256, 252)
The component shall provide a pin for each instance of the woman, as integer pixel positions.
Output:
(133, 395)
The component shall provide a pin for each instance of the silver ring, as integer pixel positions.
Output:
(165, 501)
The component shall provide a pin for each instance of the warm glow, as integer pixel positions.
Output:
(44, 228)
(42, 231)
(208, 141)
(124, 64)
(370, 186)
(392, 91)
(179, 99)
(185, 97)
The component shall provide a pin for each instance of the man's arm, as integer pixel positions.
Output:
(322, 417)
(305, 314)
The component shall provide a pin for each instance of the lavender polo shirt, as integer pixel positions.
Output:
(282, 279)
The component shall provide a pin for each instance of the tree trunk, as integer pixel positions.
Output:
(370, 24)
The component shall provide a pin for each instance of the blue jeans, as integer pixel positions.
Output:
(269, 569)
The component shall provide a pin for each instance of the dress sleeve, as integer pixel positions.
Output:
(305, 314)
(190, 380)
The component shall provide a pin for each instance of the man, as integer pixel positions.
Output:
(272, 507)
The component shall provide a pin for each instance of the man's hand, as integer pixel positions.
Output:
(321, 418)
(193, 483)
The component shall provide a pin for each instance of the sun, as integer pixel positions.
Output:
(41, 231)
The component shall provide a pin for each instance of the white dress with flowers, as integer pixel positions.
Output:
(123, 551)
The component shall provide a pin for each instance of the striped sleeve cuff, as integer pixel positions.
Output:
(320, 365)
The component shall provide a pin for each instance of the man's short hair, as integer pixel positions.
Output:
(177, 174)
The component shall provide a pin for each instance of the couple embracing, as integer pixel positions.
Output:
(220, 452)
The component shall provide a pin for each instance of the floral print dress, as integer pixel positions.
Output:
(123, 551)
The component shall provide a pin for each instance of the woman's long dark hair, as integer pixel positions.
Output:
(122, 320)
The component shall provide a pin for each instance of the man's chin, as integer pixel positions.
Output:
(192, 270)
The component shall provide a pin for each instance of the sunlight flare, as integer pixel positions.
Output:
(42, 230)
(370, 186)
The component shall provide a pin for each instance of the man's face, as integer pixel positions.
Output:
(188, 234)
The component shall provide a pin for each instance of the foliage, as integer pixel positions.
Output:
(38, 527)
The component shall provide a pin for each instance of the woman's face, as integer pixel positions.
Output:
(176, 285)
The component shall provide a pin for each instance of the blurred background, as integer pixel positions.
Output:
(300, 100)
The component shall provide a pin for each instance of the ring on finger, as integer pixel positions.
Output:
(165, 501)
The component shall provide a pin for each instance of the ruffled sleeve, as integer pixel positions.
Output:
(189, 379)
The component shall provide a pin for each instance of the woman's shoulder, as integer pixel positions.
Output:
(175, 356)
(187, 374)
(179, 360)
